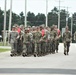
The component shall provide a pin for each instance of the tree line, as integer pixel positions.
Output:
(40, 18)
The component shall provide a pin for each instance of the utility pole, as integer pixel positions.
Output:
(67, 17)
(10, 17)
(46, 13)
(25, 13)
(71, 23)
(59, 16)
(66, 14)
(4, 31)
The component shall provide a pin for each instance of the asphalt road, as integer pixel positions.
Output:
(52, 64)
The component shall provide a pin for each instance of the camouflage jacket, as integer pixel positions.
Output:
(67, 36)
(37, 36)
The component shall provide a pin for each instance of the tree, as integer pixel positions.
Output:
(31, 18)
(62, 19)
(21, 18)
(53, 17)
(1, 20)
(40, 19)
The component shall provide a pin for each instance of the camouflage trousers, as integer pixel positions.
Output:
(27, 48)
(56, 45)
(66, 47)
(47, 46)
(13, 47)
(37, 49)
(52, 46)
(43, 47)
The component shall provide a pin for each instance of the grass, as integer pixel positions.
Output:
(3, 50)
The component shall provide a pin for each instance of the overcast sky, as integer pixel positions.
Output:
(38, 6)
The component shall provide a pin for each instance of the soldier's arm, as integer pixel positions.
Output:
(74, 35)
(63, 36)
(44, 37)
(70, 37)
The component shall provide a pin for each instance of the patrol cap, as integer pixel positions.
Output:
(26, 29)
(13, 26)
(21, 26)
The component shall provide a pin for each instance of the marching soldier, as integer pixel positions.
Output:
(13, 40)
(26, 42)
(37, 38)
(47, 31)
(43, 40)
(20, 43)
(66, 40)
(75, 36)
(52, 40)
(57, 38)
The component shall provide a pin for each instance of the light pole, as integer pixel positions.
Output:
(4, 30)
(25, 13)
(46, 13)
(10, 17)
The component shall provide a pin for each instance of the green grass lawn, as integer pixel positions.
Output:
(3, 50)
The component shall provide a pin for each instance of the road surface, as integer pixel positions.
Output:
(52, 64)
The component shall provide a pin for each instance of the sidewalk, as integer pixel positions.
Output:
(5, 47)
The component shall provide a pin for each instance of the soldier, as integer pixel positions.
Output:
(43, 40)
(22, 29)
(57, 38)
(20, 43)
(33, 41)
(66, 40)
(13, 40)
(52, 40)
(75, 36)
(47, 31)
(26, 43)
(37, 38)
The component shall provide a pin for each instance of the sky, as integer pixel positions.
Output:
(39, 6)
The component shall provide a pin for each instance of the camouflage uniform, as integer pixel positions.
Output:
(37, 37)
(47, 41)
(43, 44)
(75, 36)
(52, 41)
(26, 43)
(66, 40)
(20, 43)
(56, 41)
(57, 32)
(13, 41)
(33, 41)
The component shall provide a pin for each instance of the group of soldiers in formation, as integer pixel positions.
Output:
(37, 40)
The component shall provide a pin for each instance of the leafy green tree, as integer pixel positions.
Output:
(1, 20)
(31, 18)
(40, 19)
(53, 17)
(21, 18)
(62, 19)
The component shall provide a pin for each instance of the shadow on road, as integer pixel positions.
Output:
(36, 71)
